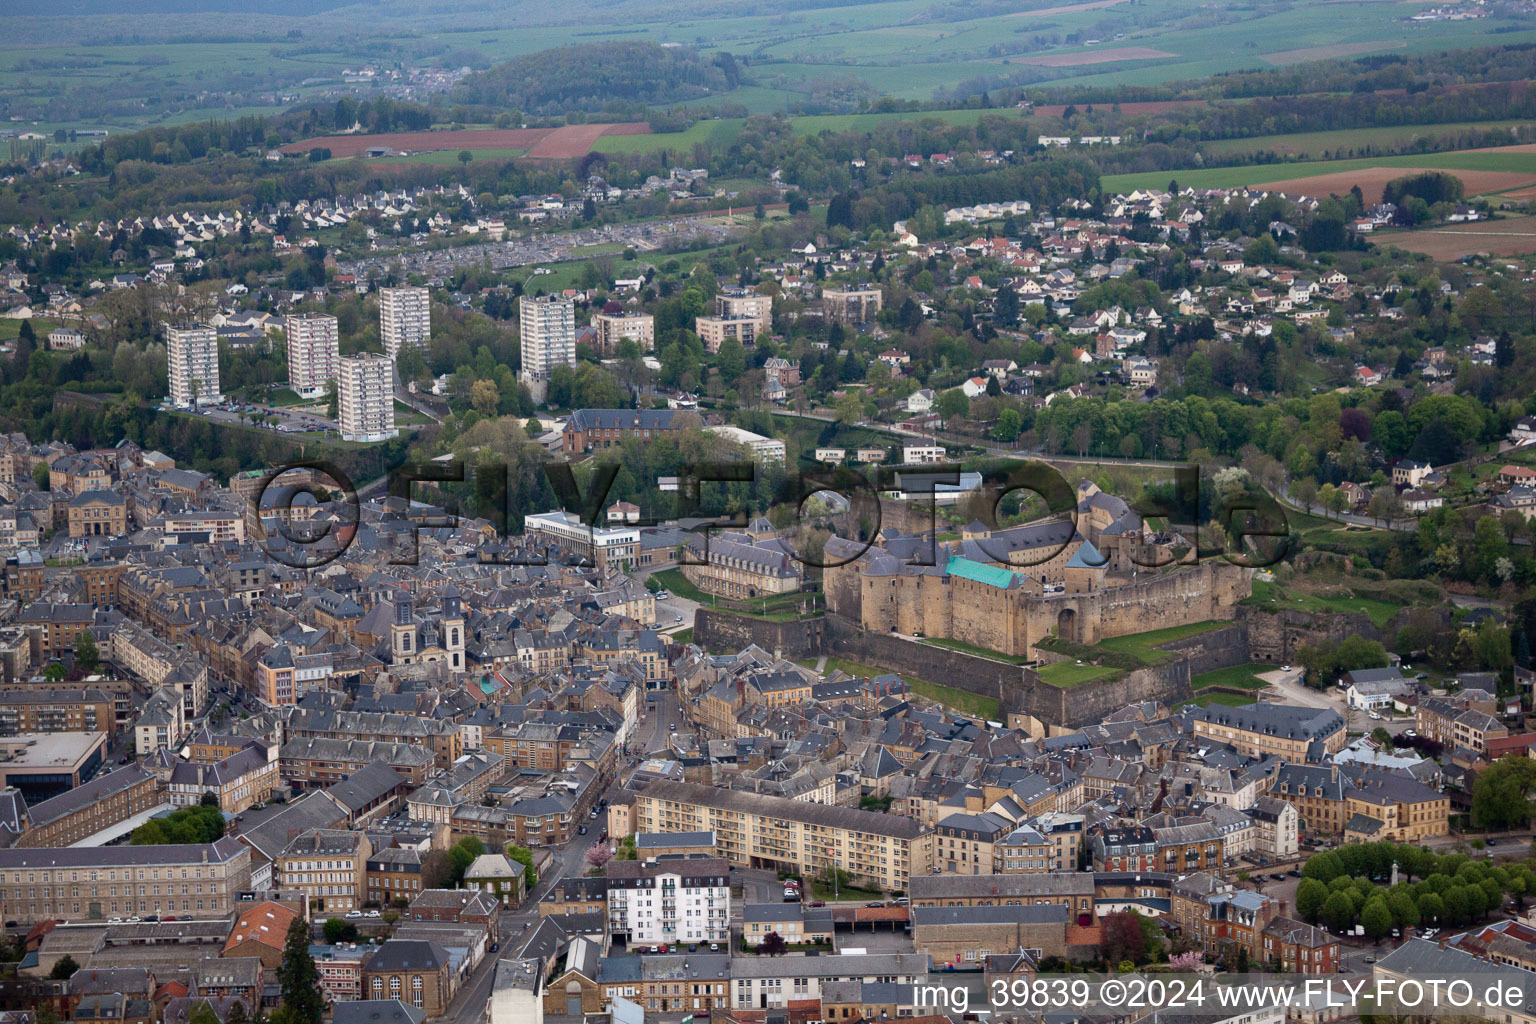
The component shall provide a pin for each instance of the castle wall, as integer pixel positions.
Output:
(723, 633)
(1275, 636)
(1046, 710)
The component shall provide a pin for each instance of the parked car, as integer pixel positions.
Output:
(876, 905)
(354, 913)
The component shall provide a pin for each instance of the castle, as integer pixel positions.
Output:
(1006, 590)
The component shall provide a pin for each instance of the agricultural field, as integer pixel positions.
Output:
(1314, 145)
(199, 64)
(1482, 170)
(1508, 236)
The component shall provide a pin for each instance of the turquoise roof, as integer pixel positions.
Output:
(1087, 557)
(991, 575)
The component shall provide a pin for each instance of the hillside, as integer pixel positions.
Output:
(590, 76)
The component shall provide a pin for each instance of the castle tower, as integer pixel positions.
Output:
(1085, 571)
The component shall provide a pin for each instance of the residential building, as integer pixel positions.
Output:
(851, 305)
(405, 319)
(365, 397)
(669, 900)
(773, 832)
(613, 328)
(328, 865)
(192, 364)
(713, 331)
(548, 327)
(314, 353)
(743, 303)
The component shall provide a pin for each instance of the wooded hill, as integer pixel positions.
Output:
(589, 76)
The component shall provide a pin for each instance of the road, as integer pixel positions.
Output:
(671, 608)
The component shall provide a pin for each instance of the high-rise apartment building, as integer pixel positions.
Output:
(548, 327)
(192, 364)
(405, 319)
(365, 397)
(314, 354)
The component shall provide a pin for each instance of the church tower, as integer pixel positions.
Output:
(402, 633)
(453, 627)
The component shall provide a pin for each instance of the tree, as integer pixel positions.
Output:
(1122, 937)
(297, 978)
(953, 404)
(1338, 911)
(523, 856)
(238, 1014)
(1501, 794)
(465, 156)
(339, 930)
(849, 409)
(203, 1013)
(599, 855)
(1007, 427)
(40, 476)
(64, 968)
(332, 398)
(484, 397)
(1376, 918)
(86, 655)
(209, 799)
(1310, 897)
(773, 944)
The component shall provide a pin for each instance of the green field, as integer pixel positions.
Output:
(1239, 177)
(1315, 144)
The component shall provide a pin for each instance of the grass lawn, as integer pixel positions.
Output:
(1142, 645)
(682, 636)
(963, 701)
(1070, 673)
(675, 581)
(10, 329)
(1238, 677)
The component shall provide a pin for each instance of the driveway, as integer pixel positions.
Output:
(1290, 689)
